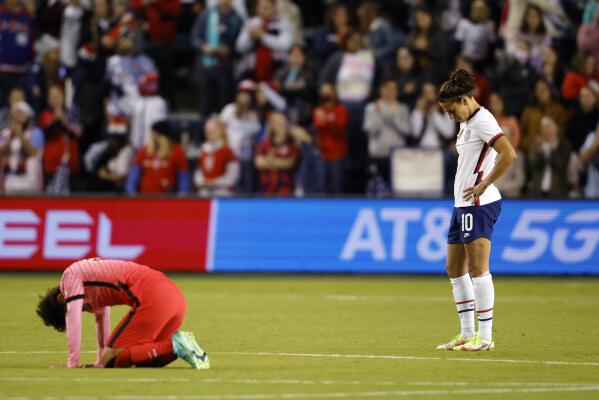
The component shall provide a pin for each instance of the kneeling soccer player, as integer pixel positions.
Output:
(146, 337)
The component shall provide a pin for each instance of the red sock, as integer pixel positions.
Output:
(156, 354)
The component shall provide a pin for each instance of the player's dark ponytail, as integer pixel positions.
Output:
(460, 83)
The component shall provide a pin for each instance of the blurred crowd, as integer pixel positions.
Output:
(290, 97)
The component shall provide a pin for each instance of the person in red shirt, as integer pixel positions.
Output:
(276, 157)
(218, 169)
(159, 20)
(160, 166)
(584, 73)
(147, 336)
(60, 131)
(330, 119)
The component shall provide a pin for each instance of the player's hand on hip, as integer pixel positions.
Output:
(474, 192)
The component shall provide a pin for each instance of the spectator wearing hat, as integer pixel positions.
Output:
(148, 109)
(218, 169)
(21, 150)
(109, 161)
(160, 166)
(276, 158)
(242, 126)
(213, 37)
(61, 130)
(264, 42)
(16, 42)
(43, 73)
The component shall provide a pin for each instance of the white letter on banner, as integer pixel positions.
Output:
(17, 234)
(55, 234)
(523, 231)
(589, 237)
(107, 250)
(371, 242)
(400, 217)
(436, 224)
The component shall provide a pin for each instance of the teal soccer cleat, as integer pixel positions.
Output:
(187, 349)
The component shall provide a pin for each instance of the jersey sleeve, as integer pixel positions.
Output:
(488, 129)
(71, 287)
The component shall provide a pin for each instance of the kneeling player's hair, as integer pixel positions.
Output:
(461, 83)
(51, 310)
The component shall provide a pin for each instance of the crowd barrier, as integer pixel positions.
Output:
(290, 235)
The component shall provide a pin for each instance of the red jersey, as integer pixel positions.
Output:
(93, 285)
(331, 126)
(54, 147)
(159, 175)
(161, 16)
(213, 160)
(277, 181)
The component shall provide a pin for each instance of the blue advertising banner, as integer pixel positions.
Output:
(397, 236)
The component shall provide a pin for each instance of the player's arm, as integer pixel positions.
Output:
(102, 332)
(506, 155)
(73, 323)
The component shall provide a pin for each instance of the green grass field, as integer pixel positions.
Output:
(326, 337)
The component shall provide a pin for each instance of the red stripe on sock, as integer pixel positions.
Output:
(465, 301)
(487, 310)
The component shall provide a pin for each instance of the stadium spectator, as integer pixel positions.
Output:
(550, 161)
(159, 20)
(74, 18)
(289, 11)
(330, 121)
(431, 127)
(160, 166)
(387, 124)
(213, 38)
(16, 95)
(218, 170)
(526, 32)
(330, 38)
(354, 72)
(430, 45)
(124, 71)
(21, 150)
(508, 123)
(588, 36)
(311, 173)
(44, 72)
(242, 125)
(276, 158)
(61, 130)
(297, 86)
(109, 162)
(148, 109)
(409, 78)
(552, 70)
(584, 73)
(17, 35)
(263, 42)
(49, 17)
(378, 32)
(541, 105)
(515, 80)
(511, 183)
(589, 157)
(476, 34)
(583, 119)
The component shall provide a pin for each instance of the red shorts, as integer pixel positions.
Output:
(158, 313)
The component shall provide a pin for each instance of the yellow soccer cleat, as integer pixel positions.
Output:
(476, 344)
(456, 341)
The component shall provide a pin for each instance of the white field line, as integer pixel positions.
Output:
(392, 357)
(345, 395)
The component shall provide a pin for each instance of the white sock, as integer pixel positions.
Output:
(463, 294)
(484, 294)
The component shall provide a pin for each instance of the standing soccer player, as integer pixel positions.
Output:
(477, 207)
(148, 334)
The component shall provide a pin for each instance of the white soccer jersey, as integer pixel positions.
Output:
(476, 157)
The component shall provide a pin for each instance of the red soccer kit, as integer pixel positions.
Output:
(159, 175)
(93, 285)
(331, 127)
